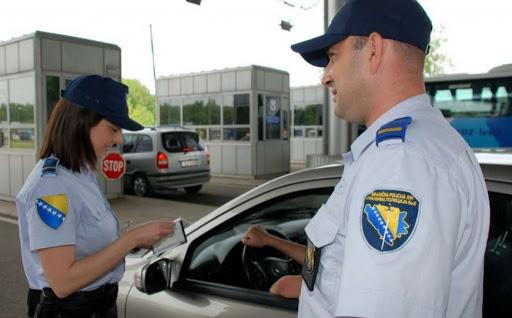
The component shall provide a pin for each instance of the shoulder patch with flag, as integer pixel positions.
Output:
(389, 218)
(52, 209)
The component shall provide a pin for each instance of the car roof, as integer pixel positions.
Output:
(162, 129)
(497, 169)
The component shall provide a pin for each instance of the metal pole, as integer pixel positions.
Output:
(337, 130)
(157, 111)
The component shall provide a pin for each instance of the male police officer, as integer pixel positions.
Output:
(404, 232)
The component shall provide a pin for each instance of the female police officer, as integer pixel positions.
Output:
(71, 248)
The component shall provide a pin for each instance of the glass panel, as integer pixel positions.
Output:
(286, 111)
(298, 132)
(235, 109)
(228, 116)
(3, 102)
(213, 110)
(319, 132)
(129, 143)
(4, 138)
(52, 93)
(215, 133)
(239, 134)
(198, 111)
(169, 112)
(307, 114)
(273, 117)
(241, 103)
(260, 117)
(21, 100)
(310, 132)
(289, 213)
(473, 99)
(22, 138)
(144, 144)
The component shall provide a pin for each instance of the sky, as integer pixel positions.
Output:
(220, 34)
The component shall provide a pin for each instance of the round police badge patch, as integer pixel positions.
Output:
(389, 218)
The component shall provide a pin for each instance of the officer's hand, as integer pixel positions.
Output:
(256, 236)
(287, 286)
(148, 234)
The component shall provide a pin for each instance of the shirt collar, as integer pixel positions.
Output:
(402, 109)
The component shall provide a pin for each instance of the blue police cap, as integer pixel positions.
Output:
(103, 95)
(401, 20)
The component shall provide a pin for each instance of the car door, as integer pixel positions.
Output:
(220, 290)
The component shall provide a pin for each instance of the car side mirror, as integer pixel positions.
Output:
(154, 276)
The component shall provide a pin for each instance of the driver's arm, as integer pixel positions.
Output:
(256, 236)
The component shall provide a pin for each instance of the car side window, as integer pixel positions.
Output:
(129, 143)
(217, 258)
(144, 144)
(498, 258)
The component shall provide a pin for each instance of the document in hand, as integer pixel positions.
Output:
(173, 240)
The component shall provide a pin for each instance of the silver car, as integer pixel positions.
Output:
(214, 275)
(165, 158)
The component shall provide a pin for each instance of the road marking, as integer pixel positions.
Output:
(9, 220)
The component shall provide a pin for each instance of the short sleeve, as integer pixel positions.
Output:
(401, 235)
(51, 216)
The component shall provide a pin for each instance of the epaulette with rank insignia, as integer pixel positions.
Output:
(393, 130)
(50, 165)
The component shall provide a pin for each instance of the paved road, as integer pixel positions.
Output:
(130, 209)
(13, 284)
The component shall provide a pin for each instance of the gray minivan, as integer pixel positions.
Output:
(165, 158)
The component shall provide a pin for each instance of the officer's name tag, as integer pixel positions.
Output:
(310, 265)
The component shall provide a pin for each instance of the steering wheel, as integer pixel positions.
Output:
(263, 266)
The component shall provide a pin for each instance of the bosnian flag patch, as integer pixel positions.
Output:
(52, 209)
(389, 218)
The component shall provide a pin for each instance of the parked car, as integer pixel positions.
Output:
(165, 158)
(214, 275)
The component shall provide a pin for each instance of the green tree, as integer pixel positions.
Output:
(141, 104)
(436, 61)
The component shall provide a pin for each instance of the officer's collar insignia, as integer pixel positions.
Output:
(395, 129)
(310, 257)
(389, 218)
(50, 165)
(52, 209)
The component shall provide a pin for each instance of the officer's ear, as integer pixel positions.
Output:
(374, 50)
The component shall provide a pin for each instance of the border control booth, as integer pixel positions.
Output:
(243, 115)
(307, 107)
(33, 70)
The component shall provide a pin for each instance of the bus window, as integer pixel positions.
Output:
(478, 106)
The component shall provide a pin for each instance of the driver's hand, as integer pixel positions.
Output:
(287, 286)
(256, 236)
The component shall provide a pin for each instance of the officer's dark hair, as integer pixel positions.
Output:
(68, 136)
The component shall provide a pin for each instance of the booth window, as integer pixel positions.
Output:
(201, 111)
(273, 117)
(21, 112)
(52, 93)
(170, 112)
(235, 111)
(21, 100)
(3, 103)
(307, 120)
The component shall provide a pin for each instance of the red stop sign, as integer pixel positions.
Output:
(113, 166)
